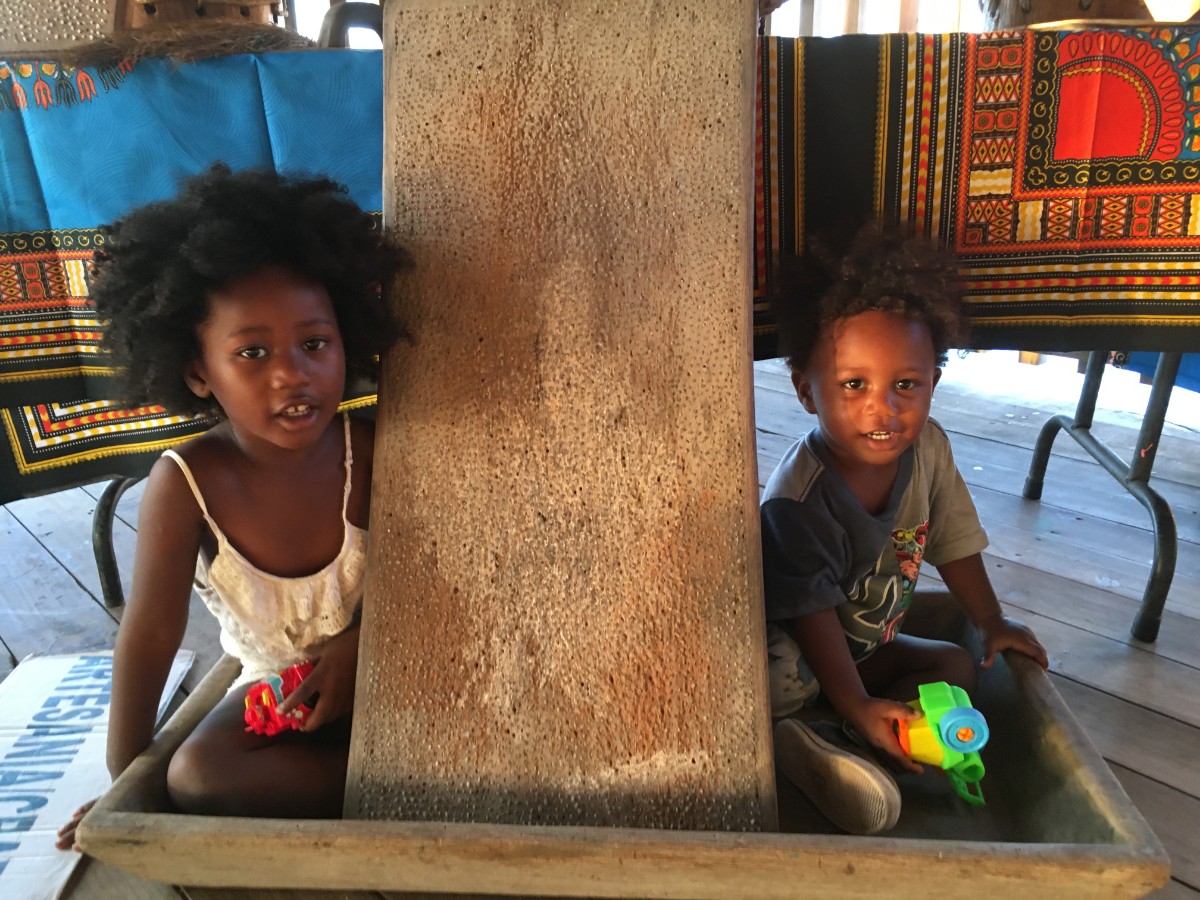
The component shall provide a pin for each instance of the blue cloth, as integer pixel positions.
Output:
(87, 163)
(1188, 378)
(80, 148)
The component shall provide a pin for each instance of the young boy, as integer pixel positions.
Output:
(851, 512)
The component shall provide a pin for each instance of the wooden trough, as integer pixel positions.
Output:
(1056, 824)
(563, 624)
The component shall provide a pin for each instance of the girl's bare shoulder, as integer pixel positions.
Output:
(211, 445)
(205, 455)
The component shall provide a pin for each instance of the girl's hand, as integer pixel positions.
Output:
(875, 720)
(66, 834)
(334, 669)
(1002, 632)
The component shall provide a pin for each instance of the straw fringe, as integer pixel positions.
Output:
(182, 42)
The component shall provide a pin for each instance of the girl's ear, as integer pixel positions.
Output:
(195, 379)
(804, 392)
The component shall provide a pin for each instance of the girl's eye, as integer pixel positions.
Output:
(252, 352)
(316, 343)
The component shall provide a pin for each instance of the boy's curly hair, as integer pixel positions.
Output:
(160, 263)
(884, 268)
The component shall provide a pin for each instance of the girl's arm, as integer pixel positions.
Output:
(968, 581)
(332, 678)
(168, 540)
(336, 663)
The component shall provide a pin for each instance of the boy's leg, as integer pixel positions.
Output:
(843, 781)
(899, 667)
(220, 769)
(937, 615)
(791, 682)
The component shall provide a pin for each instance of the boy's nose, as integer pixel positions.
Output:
(884, 401)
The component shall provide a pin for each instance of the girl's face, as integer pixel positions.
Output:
(271, 355)
(870, 383)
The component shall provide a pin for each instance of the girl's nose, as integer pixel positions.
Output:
(289, 369)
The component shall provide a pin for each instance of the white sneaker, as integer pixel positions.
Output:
(843, 781)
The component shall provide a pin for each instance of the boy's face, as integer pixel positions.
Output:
(870, 383)
(272, 357)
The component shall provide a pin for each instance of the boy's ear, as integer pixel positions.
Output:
(804, 392)
(937, 376)
(194, 377)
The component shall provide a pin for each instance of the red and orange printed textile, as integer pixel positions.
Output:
(1063, 168)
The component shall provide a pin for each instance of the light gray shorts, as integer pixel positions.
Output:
(792, 682)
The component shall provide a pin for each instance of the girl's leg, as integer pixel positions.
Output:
(222, 770)
(900, 666)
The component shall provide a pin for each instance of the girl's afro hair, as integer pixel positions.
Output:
(158, 266)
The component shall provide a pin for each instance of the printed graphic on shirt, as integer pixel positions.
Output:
(880, 600)
(910, 551)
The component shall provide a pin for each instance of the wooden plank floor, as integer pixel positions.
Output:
(1073, 566)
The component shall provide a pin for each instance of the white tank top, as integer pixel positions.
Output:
(268, 621)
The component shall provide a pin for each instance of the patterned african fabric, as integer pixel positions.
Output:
(1063, 169)
(79, 147)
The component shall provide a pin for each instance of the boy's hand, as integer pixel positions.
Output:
(332, 679)
(875, 720)
(66, 834)
(1002, 632)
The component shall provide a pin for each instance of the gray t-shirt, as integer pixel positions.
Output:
(821, 549)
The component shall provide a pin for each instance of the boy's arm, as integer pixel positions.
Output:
(968, 581)
(822, 643)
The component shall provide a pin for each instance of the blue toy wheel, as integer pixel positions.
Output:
(964, 729)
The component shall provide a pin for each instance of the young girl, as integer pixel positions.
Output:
(249, 297)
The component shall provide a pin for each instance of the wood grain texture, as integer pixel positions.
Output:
(43, 608)
(1173, 815)
(59, 541)
(1067, 831)
(1159, 747)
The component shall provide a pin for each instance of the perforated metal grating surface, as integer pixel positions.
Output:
(32, 25)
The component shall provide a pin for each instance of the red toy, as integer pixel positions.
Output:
(262, 699)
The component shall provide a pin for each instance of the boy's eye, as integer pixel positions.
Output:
(252, 352)
(316, 343)
(906, 384)
(854, 384)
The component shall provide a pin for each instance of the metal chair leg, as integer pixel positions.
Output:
(1134, 477)
(102, 540)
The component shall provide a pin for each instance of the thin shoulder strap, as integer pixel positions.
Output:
(191, 480)
(349, 464)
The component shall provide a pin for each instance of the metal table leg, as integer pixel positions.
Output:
(1134, 477)
(102, 541)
